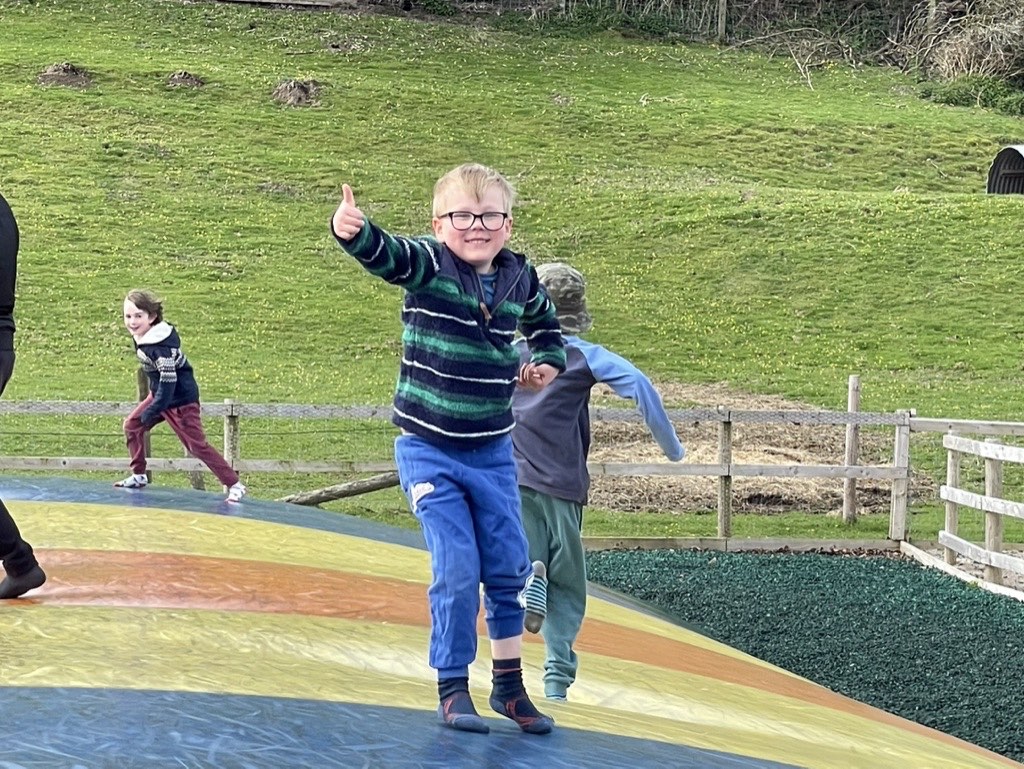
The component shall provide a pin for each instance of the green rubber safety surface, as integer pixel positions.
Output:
(883, 630)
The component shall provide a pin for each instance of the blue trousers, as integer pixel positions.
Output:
(467, 503)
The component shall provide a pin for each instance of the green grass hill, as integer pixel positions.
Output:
(737, 223)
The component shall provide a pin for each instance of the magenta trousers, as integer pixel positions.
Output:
(186, 423)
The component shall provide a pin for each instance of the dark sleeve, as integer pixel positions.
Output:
(406, 262)
(164, 359)
(8, 268)
(539, 325)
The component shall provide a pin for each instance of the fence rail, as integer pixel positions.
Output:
(991, 504)
(987, 558)
(975, 426)
(232, 413)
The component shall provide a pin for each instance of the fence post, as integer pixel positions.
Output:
(232, 440)
(142, 384)
(900, 486)
(195, 477)
(993, 521)
(725, 481)
(722, 13)
(852, 450)
(952, 510)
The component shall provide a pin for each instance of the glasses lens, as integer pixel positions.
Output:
(461, 220)
(492, 220)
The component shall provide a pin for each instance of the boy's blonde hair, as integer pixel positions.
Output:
(474, 179)
(146, 301)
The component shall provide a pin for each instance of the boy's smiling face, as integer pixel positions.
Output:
(476, 246)
(137, 321)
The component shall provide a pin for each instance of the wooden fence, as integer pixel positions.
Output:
(724, 469)
(989, 555)
(995, 562)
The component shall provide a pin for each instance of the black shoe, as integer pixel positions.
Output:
(13, 586)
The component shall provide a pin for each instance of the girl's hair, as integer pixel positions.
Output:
(146, 301)
(474, 179)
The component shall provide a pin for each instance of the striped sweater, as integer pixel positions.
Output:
(459, 365)
(171, 379)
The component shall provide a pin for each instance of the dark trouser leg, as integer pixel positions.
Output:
(135, 437)
(6, 364)
(23, 572)
(15, 552)
(187, 424)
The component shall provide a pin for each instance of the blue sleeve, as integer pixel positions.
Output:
(630, 382)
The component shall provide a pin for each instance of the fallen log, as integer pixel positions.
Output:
(342, 490)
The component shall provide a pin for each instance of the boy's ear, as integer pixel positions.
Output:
(436, 223)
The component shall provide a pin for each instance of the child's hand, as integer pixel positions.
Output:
(536, 376)
(524, 379)
(348, 219)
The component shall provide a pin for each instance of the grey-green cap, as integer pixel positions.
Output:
(566, 288)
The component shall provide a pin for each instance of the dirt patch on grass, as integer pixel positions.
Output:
(349, 44)
(297, 93)
(760, 444)
(183, 79)
(65, 74)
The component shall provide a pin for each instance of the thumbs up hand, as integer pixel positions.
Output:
(348, 219)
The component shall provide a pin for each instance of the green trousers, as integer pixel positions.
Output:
(553, 529)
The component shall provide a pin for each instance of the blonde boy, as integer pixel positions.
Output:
(466, 295)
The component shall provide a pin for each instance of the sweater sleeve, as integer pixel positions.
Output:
(166, 366)
(406, 262)
(8, 268)
(630, 382)
(539, 326)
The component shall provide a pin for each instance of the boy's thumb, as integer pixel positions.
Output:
(347, 195)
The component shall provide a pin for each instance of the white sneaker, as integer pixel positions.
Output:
(133, 482)
(236, 492)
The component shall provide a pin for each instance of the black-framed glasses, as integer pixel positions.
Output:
(490, 220)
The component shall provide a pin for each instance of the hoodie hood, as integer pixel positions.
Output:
(157, 334)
